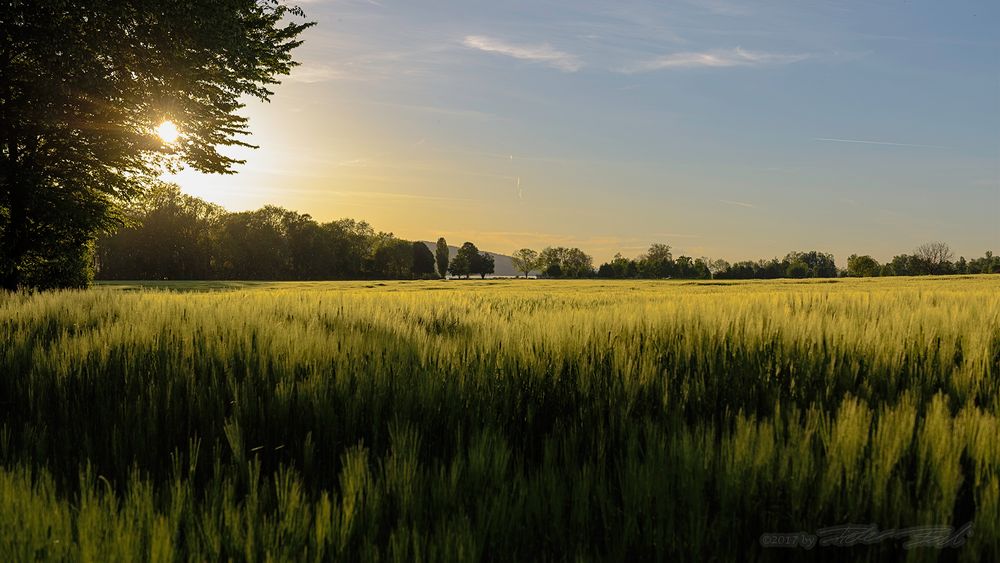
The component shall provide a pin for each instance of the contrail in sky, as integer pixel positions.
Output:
(738, 203)
(863, 142)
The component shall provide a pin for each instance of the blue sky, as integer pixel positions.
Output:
(726, 129)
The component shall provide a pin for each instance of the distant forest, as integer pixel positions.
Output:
(170, 235)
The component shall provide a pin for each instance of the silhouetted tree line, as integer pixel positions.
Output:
(934, 258)
(470, 261)
(171, 235)
(554, 262)
(657, 262)
(811, 264)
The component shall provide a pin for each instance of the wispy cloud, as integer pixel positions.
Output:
(719, 58)
(541, 53)
(738, 203)
(886, 143)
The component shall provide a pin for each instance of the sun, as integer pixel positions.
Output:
(168, 131)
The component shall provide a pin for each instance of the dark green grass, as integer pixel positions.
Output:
(522, 421)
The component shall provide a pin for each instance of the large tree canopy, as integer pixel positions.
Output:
(83, 86)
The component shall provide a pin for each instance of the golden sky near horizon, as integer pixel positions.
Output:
(721, 129)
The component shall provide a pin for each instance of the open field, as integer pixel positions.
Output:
(500, 420)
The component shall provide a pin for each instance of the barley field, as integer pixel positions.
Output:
(503, 420)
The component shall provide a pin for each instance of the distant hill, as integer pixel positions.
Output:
(502, 264)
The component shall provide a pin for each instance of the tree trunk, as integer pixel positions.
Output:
(11, 252)
(13, 242)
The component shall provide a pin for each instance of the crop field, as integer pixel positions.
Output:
(503, 420)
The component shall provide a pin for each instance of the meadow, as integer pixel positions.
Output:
(501, 420)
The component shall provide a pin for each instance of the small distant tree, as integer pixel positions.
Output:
(393, 259)
(862, 266)
(657, 262)
(423, 260)
(962, 266)
(577, 264)
(988, 264)
(992, 263)
(525, 260)
(550, 256)
(717, 266)
(441, 254)
(572, 262)
(819, 264)
(936, 255)
(684, 267)
(701, 270)
(691, 268)
(466, 261)
(907, 265)
(631, 269)
(798, 269)
(553, 271)
(619, 268)
(485, 265)
(935, 252)
(459, 267)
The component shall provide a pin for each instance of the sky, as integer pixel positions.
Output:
(736, 130)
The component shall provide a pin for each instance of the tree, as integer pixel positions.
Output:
(798, 269)
(862, 266)
(525, 260)
(715, 267)
(550, 257)
(393, 259)
(937, 255)
(254, 245)
(85, 86)
(738, 271)
(168, 235)
(961, 266)
(572, 262)
(441, 254)
(484, 265)
(686, 267)
(305, 247)
(619, 268)
(701, 270)
(465, 261)
(577, 264)
(819, 264)
(905, 265)
(657, 262)
(423, 260)
(988, 264)
(349, 244)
